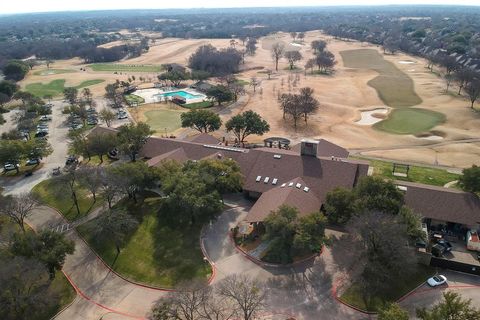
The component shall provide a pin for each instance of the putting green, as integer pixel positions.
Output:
(410, 121)
(393, 86)
(161, 120)
(56, 87)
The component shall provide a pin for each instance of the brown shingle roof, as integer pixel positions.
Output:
(101, 130)
(442, 204)
(178, 155)
(326, 149)
(305, 202)
(203, 138)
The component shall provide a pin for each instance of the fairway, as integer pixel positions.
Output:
(56, 87)
(47, 72)
(394, 87)
(115, 67)
(410, 121)
(155, 253)
(159, 120)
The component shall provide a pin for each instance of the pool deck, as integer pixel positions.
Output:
(152, 95)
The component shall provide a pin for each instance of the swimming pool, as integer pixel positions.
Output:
(181, 93)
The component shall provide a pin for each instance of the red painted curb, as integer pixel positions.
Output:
(84, 296)
(271, 265)
(146, 286)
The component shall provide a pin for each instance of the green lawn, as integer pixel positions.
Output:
(115, 67)
(426, 175)
(47, 72)
(410, 121)
(162, 119)
(46, 191)
(56, 87)
(132, 99)
(399, 288)
(393, 86)
(197, 105)
(156, 253)
(59, 287)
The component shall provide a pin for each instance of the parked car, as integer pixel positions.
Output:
(10, 166)
(92, 122)
(45, 118)
(446, 244)
(71, 159)
(113, 154)
(76, 126)
(41, 134)
(437, 280)
(122, 115)
(32, 162)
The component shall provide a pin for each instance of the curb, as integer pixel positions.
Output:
(271, 265)
(338, 299)
(146, 286)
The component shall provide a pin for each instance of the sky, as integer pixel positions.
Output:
(23, 6)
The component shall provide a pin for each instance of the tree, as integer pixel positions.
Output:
(392, 311)
(48, 247)
(188, 194)
(293, 35)
(106, 116)
(280, 227)
(292, 57)
(382, 259)
(377, 194)
(318, 46)
(15, 70)
(48, 62)
(222, 175)
(251, 46)
(290, 104)
(91, 178)
(132, 137)
(101, 144)
(237, 88)
(309, 234)
(470, 179)
(339, 205)
(201, 120)
(12, 151)
(199, 75)
(254, 83)
(68, 182)
(79, 143)
(31, 63)
(87, 97)
(308, 103)
(325, 61)
(8, 88)
(473, 90)
(463, 76)
(71, 95)
(175, 76)
(23, 284)
(277, 53)
(114, 225)
(19, 207)
(220, 94)
(448, 81)
(247, 293)
(215, 62)
(452, 307)
(113, 95)
(391, 44)
(247, 123)
(301, 36)
(37, 149)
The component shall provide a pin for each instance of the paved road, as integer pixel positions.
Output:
(304, 292)
(425, 296)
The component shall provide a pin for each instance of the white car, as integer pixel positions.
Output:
(10, 166)
(121, 116)
(437, 280)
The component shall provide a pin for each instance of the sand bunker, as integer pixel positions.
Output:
(406, 62)
(372, 116)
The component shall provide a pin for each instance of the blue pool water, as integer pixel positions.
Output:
(181, 93)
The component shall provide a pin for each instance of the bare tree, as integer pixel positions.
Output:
(463, 76)
(254, 83)
(68, 181)
(246, 292)
(277, 53)
(292, 57)
(301, 36)
(18, 208)
(293, 35)
(91, 178)
(308, 103)
(107, 116)
(473, 91)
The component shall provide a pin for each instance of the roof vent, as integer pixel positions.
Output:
(266, 179)
(298, 185)
(274, 181)
(283, 185)
(277, 156)
(258, 178)
(306, 189)
(290, 184)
